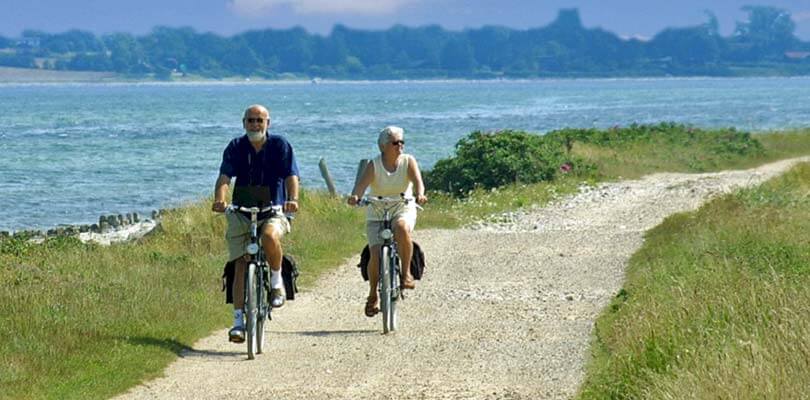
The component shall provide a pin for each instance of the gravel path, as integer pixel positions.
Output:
(505, 310)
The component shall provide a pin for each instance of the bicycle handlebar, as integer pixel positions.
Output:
(234, 208)
(387, 200)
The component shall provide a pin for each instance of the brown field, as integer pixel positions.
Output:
(30, 75)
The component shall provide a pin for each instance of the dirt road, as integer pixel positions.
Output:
(505, 310)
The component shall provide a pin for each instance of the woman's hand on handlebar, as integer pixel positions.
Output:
(353, 200)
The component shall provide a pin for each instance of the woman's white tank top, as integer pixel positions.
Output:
(391, 183)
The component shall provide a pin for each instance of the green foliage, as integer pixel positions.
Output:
(491, 160)
(723, 140)
(640, 149)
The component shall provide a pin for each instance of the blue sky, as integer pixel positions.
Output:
(639, 18)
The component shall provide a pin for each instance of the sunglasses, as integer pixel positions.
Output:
(254, 120)
(398, 142)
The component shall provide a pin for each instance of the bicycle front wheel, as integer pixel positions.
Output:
(251, 309)
(395, 289)
(386, 305)
(263, 308)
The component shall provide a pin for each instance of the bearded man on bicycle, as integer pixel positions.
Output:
(392, 173)
(266, 173)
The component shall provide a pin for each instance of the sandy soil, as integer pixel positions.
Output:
(30, 75)
(505, 310)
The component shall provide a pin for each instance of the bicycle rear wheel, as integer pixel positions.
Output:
(251, 309)
(386, 305)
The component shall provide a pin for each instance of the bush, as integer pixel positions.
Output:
(721, 141)
(490, 160)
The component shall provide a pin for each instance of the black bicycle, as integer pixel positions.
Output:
(388, 285)
(257, 306)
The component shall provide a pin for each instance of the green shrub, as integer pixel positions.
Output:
(494, 159)
(721, 141)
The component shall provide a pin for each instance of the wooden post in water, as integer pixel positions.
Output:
(330, 184)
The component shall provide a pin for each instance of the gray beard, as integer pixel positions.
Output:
(254, 136)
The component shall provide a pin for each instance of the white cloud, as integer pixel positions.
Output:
(366, 7)
(801, 16)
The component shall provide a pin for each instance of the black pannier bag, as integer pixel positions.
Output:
(417, 262)
(289, 273)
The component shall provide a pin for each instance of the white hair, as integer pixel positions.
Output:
(387, 132)
(258, 107)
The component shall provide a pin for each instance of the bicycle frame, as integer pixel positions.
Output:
(388, 285)
(256, 305)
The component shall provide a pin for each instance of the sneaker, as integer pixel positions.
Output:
(236, 334)
(277, 297)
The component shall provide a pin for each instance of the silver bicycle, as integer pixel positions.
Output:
(388, 286)
(257, 306)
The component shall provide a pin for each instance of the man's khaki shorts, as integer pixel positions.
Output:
(238, 234)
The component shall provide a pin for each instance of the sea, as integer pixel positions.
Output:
(70, 152)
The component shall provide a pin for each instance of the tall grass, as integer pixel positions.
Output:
(635, 151)
(70, 313)
(715, 304)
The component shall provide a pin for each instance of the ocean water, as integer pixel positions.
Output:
(71, 152)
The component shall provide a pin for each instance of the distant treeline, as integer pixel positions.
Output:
(764, 44)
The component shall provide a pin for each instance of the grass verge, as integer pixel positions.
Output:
(714, 304)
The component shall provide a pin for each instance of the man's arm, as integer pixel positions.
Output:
(291, 186)
(221, 189)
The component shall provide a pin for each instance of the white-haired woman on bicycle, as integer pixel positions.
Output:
(392, 173)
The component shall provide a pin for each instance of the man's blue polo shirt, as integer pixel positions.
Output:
(259, 175)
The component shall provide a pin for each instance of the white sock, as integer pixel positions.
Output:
(275, 279)
(237, 318)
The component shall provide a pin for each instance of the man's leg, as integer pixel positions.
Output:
(271, 243)
(236, 238)
(237, 333)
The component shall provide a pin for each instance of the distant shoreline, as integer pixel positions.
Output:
(11, 76)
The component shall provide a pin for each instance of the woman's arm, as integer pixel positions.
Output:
(360, 186)
(415, 177)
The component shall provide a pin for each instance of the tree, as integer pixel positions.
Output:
(126, 53)
(691, 46)
(492, 46)
(768, 33)
(73, 41)
(457, 55)
(90, 62)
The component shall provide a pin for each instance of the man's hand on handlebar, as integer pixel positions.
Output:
(219, 206)
(291, 206)
(353, 200)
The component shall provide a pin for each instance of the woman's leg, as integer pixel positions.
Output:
(402, 234)
(373, 301)
(373, 270)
